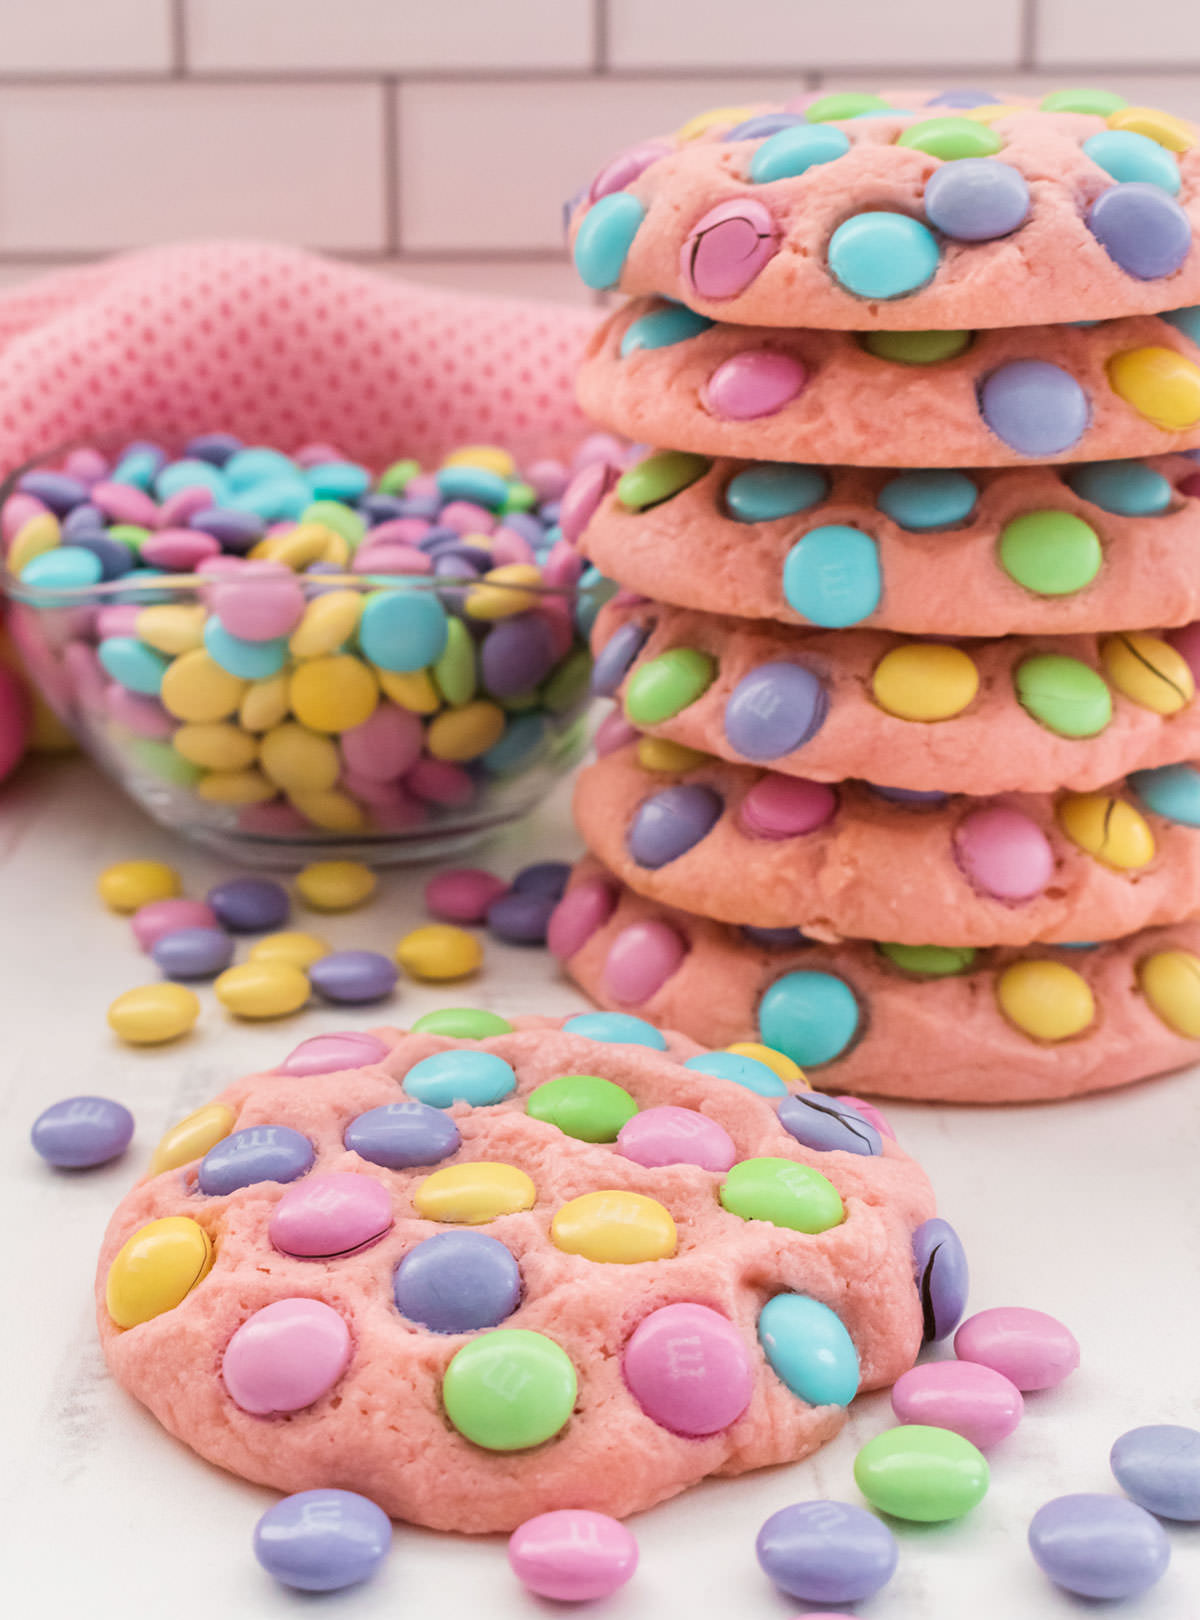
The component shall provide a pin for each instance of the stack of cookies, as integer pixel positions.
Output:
(908, 637)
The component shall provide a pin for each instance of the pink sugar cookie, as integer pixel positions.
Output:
(327, 1324)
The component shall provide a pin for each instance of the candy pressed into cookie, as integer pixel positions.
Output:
(905, 211)
(484, 1268)
(1027, 714)
(930, 1022)
(1105, 546)
(853, 861)
(996, 397)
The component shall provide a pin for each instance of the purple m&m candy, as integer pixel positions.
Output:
(321, 1541)
(193, 953)
(258, 1153)
(775, 939)
(1158, 1465)
(80, 1132)
(1142, 228)
(249, 905)
(353, 976)
(1099, 1546)
(517, 653)
(827, 1552)
(976, 199)
(236, 531)
(547, 878)
(670, 823)
(940, 1268)
(458, 1282)
(521, 919)
(58, 491)
(826, 1125)
(1037, 408)
(963, 98)
(399, 1135)
(774, 710)
(916, 798)
(614, 659)
(325, 1054)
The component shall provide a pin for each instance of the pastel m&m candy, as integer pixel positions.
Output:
(322, 1540)
(922, 1473)
(286, 1356)
(1099, 1546)
(153, 1013)
(689, 1369)
(156, 1268)
(80, 1132)
(510, 1389)
(827, 1552)
(1032, 1349)
(129, 885)
(573, 1555)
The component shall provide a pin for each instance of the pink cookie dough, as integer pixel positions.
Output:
(381, 1427)
(1050, 268)
(858, 408)
(993, 745)
(690, 551)
(928, 1039)
(994, 871)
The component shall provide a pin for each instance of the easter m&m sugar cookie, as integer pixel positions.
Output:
(905, 211)
(477, 1273)
(871, 861)
(929, 1022)
(1026, 714)
(1108, 545)
(1000, 396)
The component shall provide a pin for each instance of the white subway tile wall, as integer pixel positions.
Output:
(439, 138)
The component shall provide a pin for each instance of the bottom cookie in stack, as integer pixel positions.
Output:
(947, 1024)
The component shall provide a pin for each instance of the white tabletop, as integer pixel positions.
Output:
(1090, 1210)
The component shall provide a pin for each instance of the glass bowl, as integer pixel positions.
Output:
(322, 753)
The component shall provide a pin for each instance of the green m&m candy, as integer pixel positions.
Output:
(659, 477)
(463, 1023)
(1052, 553)
(916, 348)
(509, 1390)
(933, 961)
(1064, 695)
(659, 689)
(921, 1473)
(951, 138)
(1099, 103)
(845, 104)
(784, 1193)
(584, 1106)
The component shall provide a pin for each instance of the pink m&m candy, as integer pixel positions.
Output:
(385, 745)
(757, 383)
(613, 732)
(325, 1054)
(157, 918)
(668, 1135)
(582, 496)
(972, 1400)
(641, 959)
(179, 550)
(1033, 1350)
(726, 249)
(325, 1216)
(572, 1555)
(786, 806)
(577, 916)
(1004, 853)
(463, 894)
(688, 1369)
(144, 716)
(286, 1356)
(261, 602)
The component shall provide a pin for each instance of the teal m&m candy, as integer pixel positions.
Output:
(248, 660)
(662, 328)
(585, 1106)
(509, 1389)
(811, 1017)
(809, 1349)
(1172, 791)
(774, 489)
(743, 1071)
(444, 1078)
(402, 630)
(793, 151)
(132, 664)
(1126, 155)
(619, 1029)
(921, 1473)
(935, 499)
(1186, 320)
(604, 238)
(882, 255)
(831, 576)
(1128, 488)
(784, 1193)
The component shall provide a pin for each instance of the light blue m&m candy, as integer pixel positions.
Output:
(248, 660)
(1128, 488)
(478, 1078)
(811, 1017)
(928, 500)
(618, 1029)
(743, 1071)
(882, 255)
(674, 323)
(809, 1349)
(774, 489)
(604, 238)
(402, 630)
(1186, 320)
(792, 151)
(479, 484)
(64, 568)
(132, 664)
(831, 576)
(1172, 791)
(1129, 156)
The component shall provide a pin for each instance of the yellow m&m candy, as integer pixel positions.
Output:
(332, 809)
(463, 734)
(1107, 828)
(1149, 672)
(511, 588)
(1170, 982)
(779, 1062)
(235, 787)
(1047, 1000)
(660, 754)
(36, 536)
(1161, 385)
(439, 951)
(195, 687)
(336, 885)
(714, 118)
(1155, 125)
(925, 681)
(156, 1269)
(328, 621)
(471, 1194)
(192, 1137)
(488, 456)
(299, 760)
(129, 885)
(334, 693)
(411, 689)
(264, 703)
(619, 1227)
(299, 949)
(153, 1013)
(216, 745)
(262, 989)
(172, 627)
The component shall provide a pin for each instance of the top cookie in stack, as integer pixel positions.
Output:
(897, 351)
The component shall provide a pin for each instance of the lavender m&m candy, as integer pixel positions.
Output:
(1099, 1546)
(193, 953)
(774, 710)
(1029, 1347)
(976, 199)
(976, 1402)
(669, 823)
(1037, 408)
(325, 1054)
(400, 1135)
(325, 1216)
(258, 1153)
(1158, 1465)
(614, 659)
(573, 1555)
(827, 1552)
(521, 919)
(828, 1126)
(517, 654)
(667, 1135)
(547, 878)
(942, 1278)
(322, 1541)
(81, 1132)
(249, 905)
(458, 1282)
(1142, 228)
(353, 976)
(688, 1369)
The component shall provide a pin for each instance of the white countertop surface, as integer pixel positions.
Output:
(1090, 1210)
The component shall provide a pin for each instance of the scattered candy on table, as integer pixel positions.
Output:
(922, 1473)
(573, 1555)
(1099, 1546)
(130, 885)
(1031, 1349)
(153, 1013)
(439, 951)
(322, 1540)
(336, 885)
(827, 1552)
(81, 1132)
(258, 989)
(1159, 1467)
